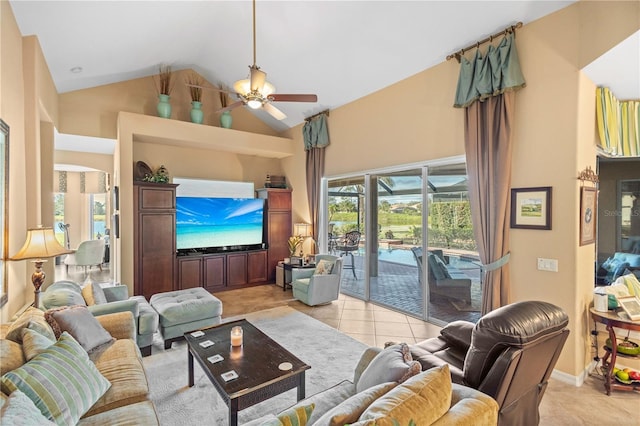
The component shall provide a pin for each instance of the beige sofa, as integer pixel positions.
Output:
(126, 402)
(427, 398)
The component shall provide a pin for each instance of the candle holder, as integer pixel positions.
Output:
(236, 336)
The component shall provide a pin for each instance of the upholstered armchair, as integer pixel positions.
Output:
(319, 285)
(88, 253)
(105, 300)
(509, 355)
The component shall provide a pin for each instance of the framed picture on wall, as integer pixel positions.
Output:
(531, 208)
(588, 211)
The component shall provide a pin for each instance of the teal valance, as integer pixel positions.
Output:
(491, 74)
(315, 133)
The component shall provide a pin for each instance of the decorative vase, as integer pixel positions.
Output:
(226, 119)
(196, 112)
(164, 107)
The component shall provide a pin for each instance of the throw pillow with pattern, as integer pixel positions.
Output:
(324, 267)
(61, 381)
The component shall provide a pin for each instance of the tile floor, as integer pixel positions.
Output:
(371, 324)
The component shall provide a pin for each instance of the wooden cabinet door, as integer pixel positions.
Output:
(215, 273)
(190, 272)
(236, 269)
(257, 266)
(279, 232)
(157, 254)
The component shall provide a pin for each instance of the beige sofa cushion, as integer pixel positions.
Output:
(121, 364)
(11, 356)
(423, 398)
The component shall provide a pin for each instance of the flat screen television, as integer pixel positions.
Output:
(218, 223)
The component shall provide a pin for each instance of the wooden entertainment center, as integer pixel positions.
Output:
(158, 268)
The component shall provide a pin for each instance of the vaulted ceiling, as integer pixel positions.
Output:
(339, 50)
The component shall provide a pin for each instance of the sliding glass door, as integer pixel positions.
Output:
(454, 271)
(346, 218)
(395, 227)
(415, 250)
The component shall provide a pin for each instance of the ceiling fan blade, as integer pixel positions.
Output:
(258, 77)
(279, 97)
(275, 112)
(236, 104)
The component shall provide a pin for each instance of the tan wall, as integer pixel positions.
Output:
(206, 164)
(30, 106)
(103, 162)
(94, 111)
(12, 112)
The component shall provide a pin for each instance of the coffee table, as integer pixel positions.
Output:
(258, 364)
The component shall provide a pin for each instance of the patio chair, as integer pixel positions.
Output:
(347, 246)
(88, 253)
(445, 281)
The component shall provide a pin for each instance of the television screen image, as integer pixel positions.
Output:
(218, 222)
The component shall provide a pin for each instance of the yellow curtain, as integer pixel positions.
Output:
(618, 124)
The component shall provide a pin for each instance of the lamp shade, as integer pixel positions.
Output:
(40, 243)
(302, 229)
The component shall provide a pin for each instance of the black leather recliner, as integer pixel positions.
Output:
(509, 354)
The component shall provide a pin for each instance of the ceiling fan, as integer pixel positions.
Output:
(256, 92)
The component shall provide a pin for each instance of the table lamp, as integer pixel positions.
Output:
(303, 230)
(40, 244)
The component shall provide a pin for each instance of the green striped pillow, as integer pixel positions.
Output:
(61, 381)
(34, 343)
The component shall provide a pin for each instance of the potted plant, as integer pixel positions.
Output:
(225, 117)
(164, 86)
(294, 242)
(194, 82)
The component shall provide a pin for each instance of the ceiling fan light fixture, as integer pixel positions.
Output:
(254, 103)
(244, 88)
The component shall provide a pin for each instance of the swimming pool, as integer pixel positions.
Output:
(403, 256)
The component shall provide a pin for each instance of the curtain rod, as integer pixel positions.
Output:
(326, 112)
(459, 53)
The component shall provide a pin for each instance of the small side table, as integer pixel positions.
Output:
(288, 268)
(611, 320)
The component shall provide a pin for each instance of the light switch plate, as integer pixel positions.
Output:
(550, 265)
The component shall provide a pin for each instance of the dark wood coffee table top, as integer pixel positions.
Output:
(256, 362)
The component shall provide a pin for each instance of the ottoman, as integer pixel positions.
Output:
(186, 310)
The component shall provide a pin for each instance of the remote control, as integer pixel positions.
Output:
(206, 343)
(197, 333)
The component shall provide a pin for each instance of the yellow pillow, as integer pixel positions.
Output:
(423, 398)
(93, 294)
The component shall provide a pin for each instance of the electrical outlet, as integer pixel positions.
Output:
(550, 265)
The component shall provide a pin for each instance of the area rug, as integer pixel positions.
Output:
(331, 355)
